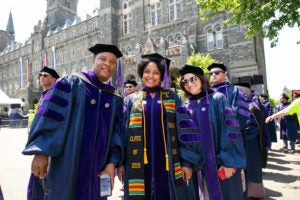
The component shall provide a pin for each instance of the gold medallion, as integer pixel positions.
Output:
(106, 105)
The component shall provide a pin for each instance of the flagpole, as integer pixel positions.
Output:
(21, 72)
(53, 57)
(27, 68)
(45, 58)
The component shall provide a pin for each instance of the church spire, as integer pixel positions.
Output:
(10, 30)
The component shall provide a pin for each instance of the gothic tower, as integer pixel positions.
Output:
(109, 20)
(10, 30)
(58, 11)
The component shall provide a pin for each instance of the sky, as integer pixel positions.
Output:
(282, 62)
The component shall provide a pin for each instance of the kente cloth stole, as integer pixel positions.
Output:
(135, 145)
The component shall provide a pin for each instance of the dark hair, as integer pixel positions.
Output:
(204, 85)
(264, 96)
(145, 61)
(285, 96)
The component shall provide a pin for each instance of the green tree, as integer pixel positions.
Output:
(273, 102)
(202, 61)
(263, 17)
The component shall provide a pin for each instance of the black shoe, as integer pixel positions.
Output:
(285, 149)
(292, 151)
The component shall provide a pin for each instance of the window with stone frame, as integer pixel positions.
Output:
(127, 17)
(171, 41)
(210, 39)
(219, 37)
(178, 39)
(174, 10)
(67, 3)
(128, 51)
(155, 12)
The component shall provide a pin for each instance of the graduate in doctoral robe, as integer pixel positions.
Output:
(257, 143)
(75, 136)
(163, 143)
(225, 154)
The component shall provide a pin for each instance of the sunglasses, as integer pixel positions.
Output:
(190, 80)
(43, 74)
(128, 86)
(217, 72)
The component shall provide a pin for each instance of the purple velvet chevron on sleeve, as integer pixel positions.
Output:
(228, 111)
(231, 122)
(190, 137)
(186, 123)
(62, 86)
(55, 99)
(50, 114)
(235, 136)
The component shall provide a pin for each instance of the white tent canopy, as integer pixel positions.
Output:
(6, 100)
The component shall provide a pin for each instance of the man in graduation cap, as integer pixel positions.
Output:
(75, 136)
(129, 87)
(219, 78)
(220, 82)
(47, 77)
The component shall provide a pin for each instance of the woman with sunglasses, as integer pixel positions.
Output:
(161, 139)
(224, 150)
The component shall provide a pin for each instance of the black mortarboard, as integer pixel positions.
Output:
(99, 48)
(191, 69)
(130, 82)
(157, 58)
(247, 85)
(264, 95)
(285, 96)
(218, 65)
(160, 61)
(50, 71)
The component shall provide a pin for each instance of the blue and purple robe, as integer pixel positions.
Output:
(223, 145)
(271, 126)
(257, 150)
(78, 125)
(288, 125)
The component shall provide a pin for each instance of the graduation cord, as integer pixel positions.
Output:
(144, 121)
(163, 132)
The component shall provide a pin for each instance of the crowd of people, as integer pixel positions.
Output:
(213, 146)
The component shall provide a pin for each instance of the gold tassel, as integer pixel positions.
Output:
(144, 125)
(167, 162)
(145, 156)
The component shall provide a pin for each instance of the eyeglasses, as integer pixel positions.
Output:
(217, 72)
(190, 80)
(43, 74)
(128, 86)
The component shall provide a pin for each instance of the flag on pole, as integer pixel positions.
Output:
(27, 69)
(53, 57)
(21, 73)
(119, 74)
(45, 58)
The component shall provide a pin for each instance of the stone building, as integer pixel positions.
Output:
(169, 27)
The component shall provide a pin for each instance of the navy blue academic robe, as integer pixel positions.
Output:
(271, 126)
(223, 145)
(78, 125)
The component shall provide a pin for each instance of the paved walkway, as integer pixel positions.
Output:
(281, 177)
